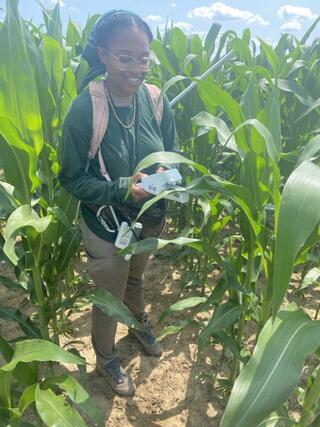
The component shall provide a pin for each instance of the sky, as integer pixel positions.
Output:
(266, 19)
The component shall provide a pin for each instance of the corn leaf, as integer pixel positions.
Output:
(19, 99)
(41, 351)
(114, 308)
(78, 395)
(298, 216)
(20, 161)
(22, 217)
(54, 411)
(273, 371)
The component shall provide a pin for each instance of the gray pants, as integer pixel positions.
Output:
(122, 278)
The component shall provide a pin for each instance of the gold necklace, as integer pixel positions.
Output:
(126, 126)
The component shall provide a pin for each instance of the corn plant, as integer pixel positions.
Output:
(24, 390)
(40, 237)
(248, 119)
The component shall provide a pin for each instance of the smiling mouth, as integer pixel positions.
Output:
(135, 80)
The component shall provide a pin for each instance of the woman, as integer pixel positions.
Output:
(118, 45)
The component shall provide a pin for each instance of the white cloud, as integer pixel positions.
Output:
(173, 4)
(257, 19)
(222, 12)
(184, 26)
(291, 26)
(154, 18)
(293, 13)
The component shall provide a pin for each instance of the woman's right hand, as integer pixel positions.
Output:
(138, 193)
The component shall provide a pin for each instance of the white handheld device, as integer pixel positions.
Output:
(167, 180)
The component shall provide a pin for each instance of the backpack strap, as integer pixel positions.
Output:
(100, 115)
(156, 101)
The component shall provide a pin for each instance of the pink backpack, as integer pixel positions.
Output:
(100, 116)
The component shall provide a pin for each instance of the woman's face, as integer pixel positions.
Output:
(125, 79)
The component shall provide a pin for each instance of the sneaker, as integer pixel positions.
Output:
(117, 377)
(151, 346)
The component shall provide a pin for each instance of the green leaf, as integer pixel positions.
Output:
(10, 284)
(297, 90)
(211, 37)
(182, 305)
(25, 373)
(69, 92)
(225, 136)
(25, 323)
(213, 96)
(171, 82)
(242, 50)
(27, 398)
(176, 327)
(278, 418)
(5, 349)
(309, 31)
(271, 147)
(5, 384)
(271, 119)
(164, 55)
(79, 396)
(238, 193)
(312, 107)
(168, 157)
(154, 244)
(21, 161)
(73, 34)
(53, 60)
(250, 100)
(41, 351)
(224, 316)
(310, 278)
(67, 203)
(22, 217)
(19, 99)
(273, 371)
(55, 412)
(178, 43)
(7, 201)
(310, 151)
(298, 216)
(114, 308)
(54, 25)
(252, 172)
(270, 55)
(68, 248)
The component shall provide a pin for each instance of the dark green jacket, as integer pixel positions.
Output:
(122, 149)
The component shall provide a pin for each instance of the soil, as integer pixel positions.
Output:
(175, 390)
(171, 391)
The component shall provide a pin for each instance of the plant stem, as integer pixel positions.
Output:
(310, 402)
(247, 283)
(317, 312)
(40, 302)
(204, 275)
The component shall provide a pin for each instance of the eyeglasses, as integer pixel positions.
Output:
(126, 61)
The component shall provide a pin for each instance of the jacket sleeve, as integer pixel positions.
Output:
(73, 154)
